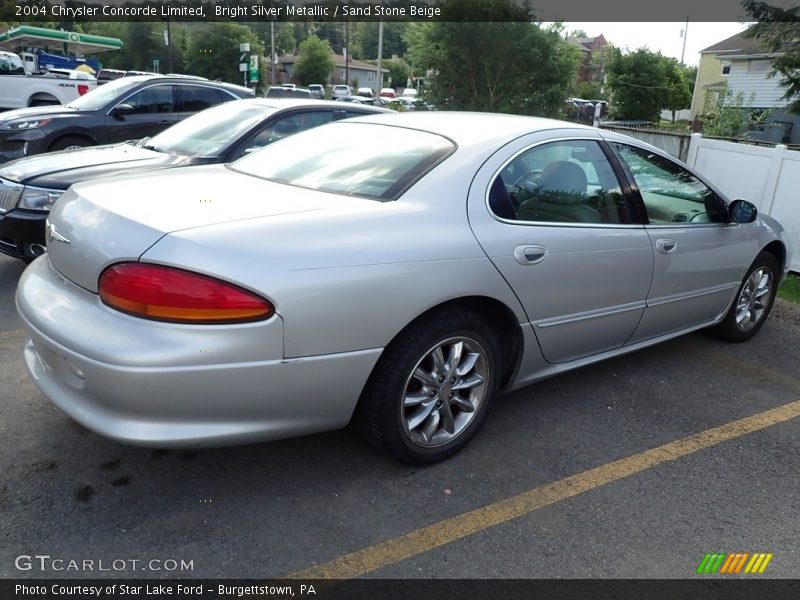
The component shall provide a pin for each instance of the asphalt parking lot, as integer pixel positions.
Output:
(634, 467)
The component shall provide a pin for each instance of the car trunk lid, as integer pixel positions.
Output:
(104, 222)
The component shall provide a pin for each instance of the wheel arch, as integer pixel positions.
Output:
(778, 250)
(370, 413)
(45, 96)
(68, 134)
(498, 315)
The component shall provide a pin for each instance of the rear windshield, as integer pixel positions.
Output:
(209, 132)
(101, 96)
(353, 159)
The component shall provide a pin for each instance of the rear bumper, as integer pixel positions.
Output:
(167, 385)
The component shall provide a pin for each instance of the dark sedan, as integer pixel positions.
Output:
(124, 109)
(30, 186)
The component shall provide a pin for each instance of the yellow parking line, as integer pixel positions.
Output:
(444, 532)
(743, 367)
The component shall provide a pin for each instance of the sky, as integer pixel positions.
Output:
(663, 37)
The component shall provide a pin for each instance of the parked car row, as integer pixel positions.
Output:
(339, 91)
(30, 187)
(397, 269)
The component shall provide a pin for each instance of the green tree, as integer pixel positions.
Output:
(643, 83)
(284, 36)
(678, 91)
(690, 74)
(778, 30)
(315, 62)
(213, 50)
(590, 90)
(333, 33)
(143, 43)
(507, 65)
(732, 116)
(393, 39)
(399, 71)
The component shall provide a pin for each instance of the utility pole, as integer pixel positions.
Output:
(169, 48)
(380, 57)
(272, 61)
(346, 54)
(685, 35)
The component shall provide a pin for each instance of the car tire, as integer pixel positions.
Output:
(43, 102)
(70, 142)
(420, 404)
(753, 301)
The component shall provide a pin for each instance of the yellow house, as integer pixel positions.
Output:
(712, 72)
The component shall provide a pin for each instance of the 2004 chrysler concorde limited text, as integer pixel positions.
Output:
(403, 284)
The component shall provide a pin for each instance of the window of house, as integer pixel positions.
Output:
(726, 69)
(759, 66)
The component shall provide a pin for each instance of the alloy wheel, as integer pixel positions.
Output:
(754, 299)
(444, 391)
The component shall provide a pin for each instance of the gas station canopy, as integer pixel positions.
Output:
(77, 43)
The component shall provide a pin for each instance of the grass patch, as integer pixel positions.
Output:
(790, 289)
(679, 126)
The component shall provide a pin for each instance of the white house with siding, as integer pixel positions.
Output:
(748, 72)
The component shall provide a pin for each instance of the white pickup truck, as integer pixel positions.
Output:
(18, 90)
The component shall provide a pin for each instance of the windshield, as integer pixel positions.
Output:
(208, 132)
(104, 94)
(11, 63)
(345, 158)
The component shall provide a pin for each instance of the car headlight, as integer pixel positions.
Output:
(34, 198)
(25, 124)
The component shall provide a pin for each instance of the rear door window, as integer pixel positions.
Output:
(194, 98)
(153, 99)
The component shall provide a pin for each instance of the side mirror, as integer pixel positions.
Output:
(742, 211)
(120, 110)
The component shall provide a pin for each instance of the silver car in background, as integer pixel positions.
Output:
(401, 270)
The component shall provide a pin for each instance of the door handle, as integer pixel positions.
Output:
(530, 255)
(666, 245)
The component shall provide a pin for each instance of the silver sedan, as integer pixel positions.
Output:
(399, 270)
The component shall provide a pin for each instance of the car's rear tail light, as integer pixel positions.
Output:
(82, 89)
(168, 294)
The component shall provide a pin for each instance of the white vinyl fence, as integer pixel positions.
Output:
(769, 177)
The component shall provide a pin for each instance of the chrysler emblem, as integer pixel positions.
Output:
(53, 235)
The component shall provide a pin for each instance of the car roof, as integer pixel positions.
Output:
(467, 128)
(191, 80)
(287, 103)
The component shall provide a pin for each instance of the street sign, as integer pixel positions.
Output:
(254, 68)
(244, 67)
(244, 47)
